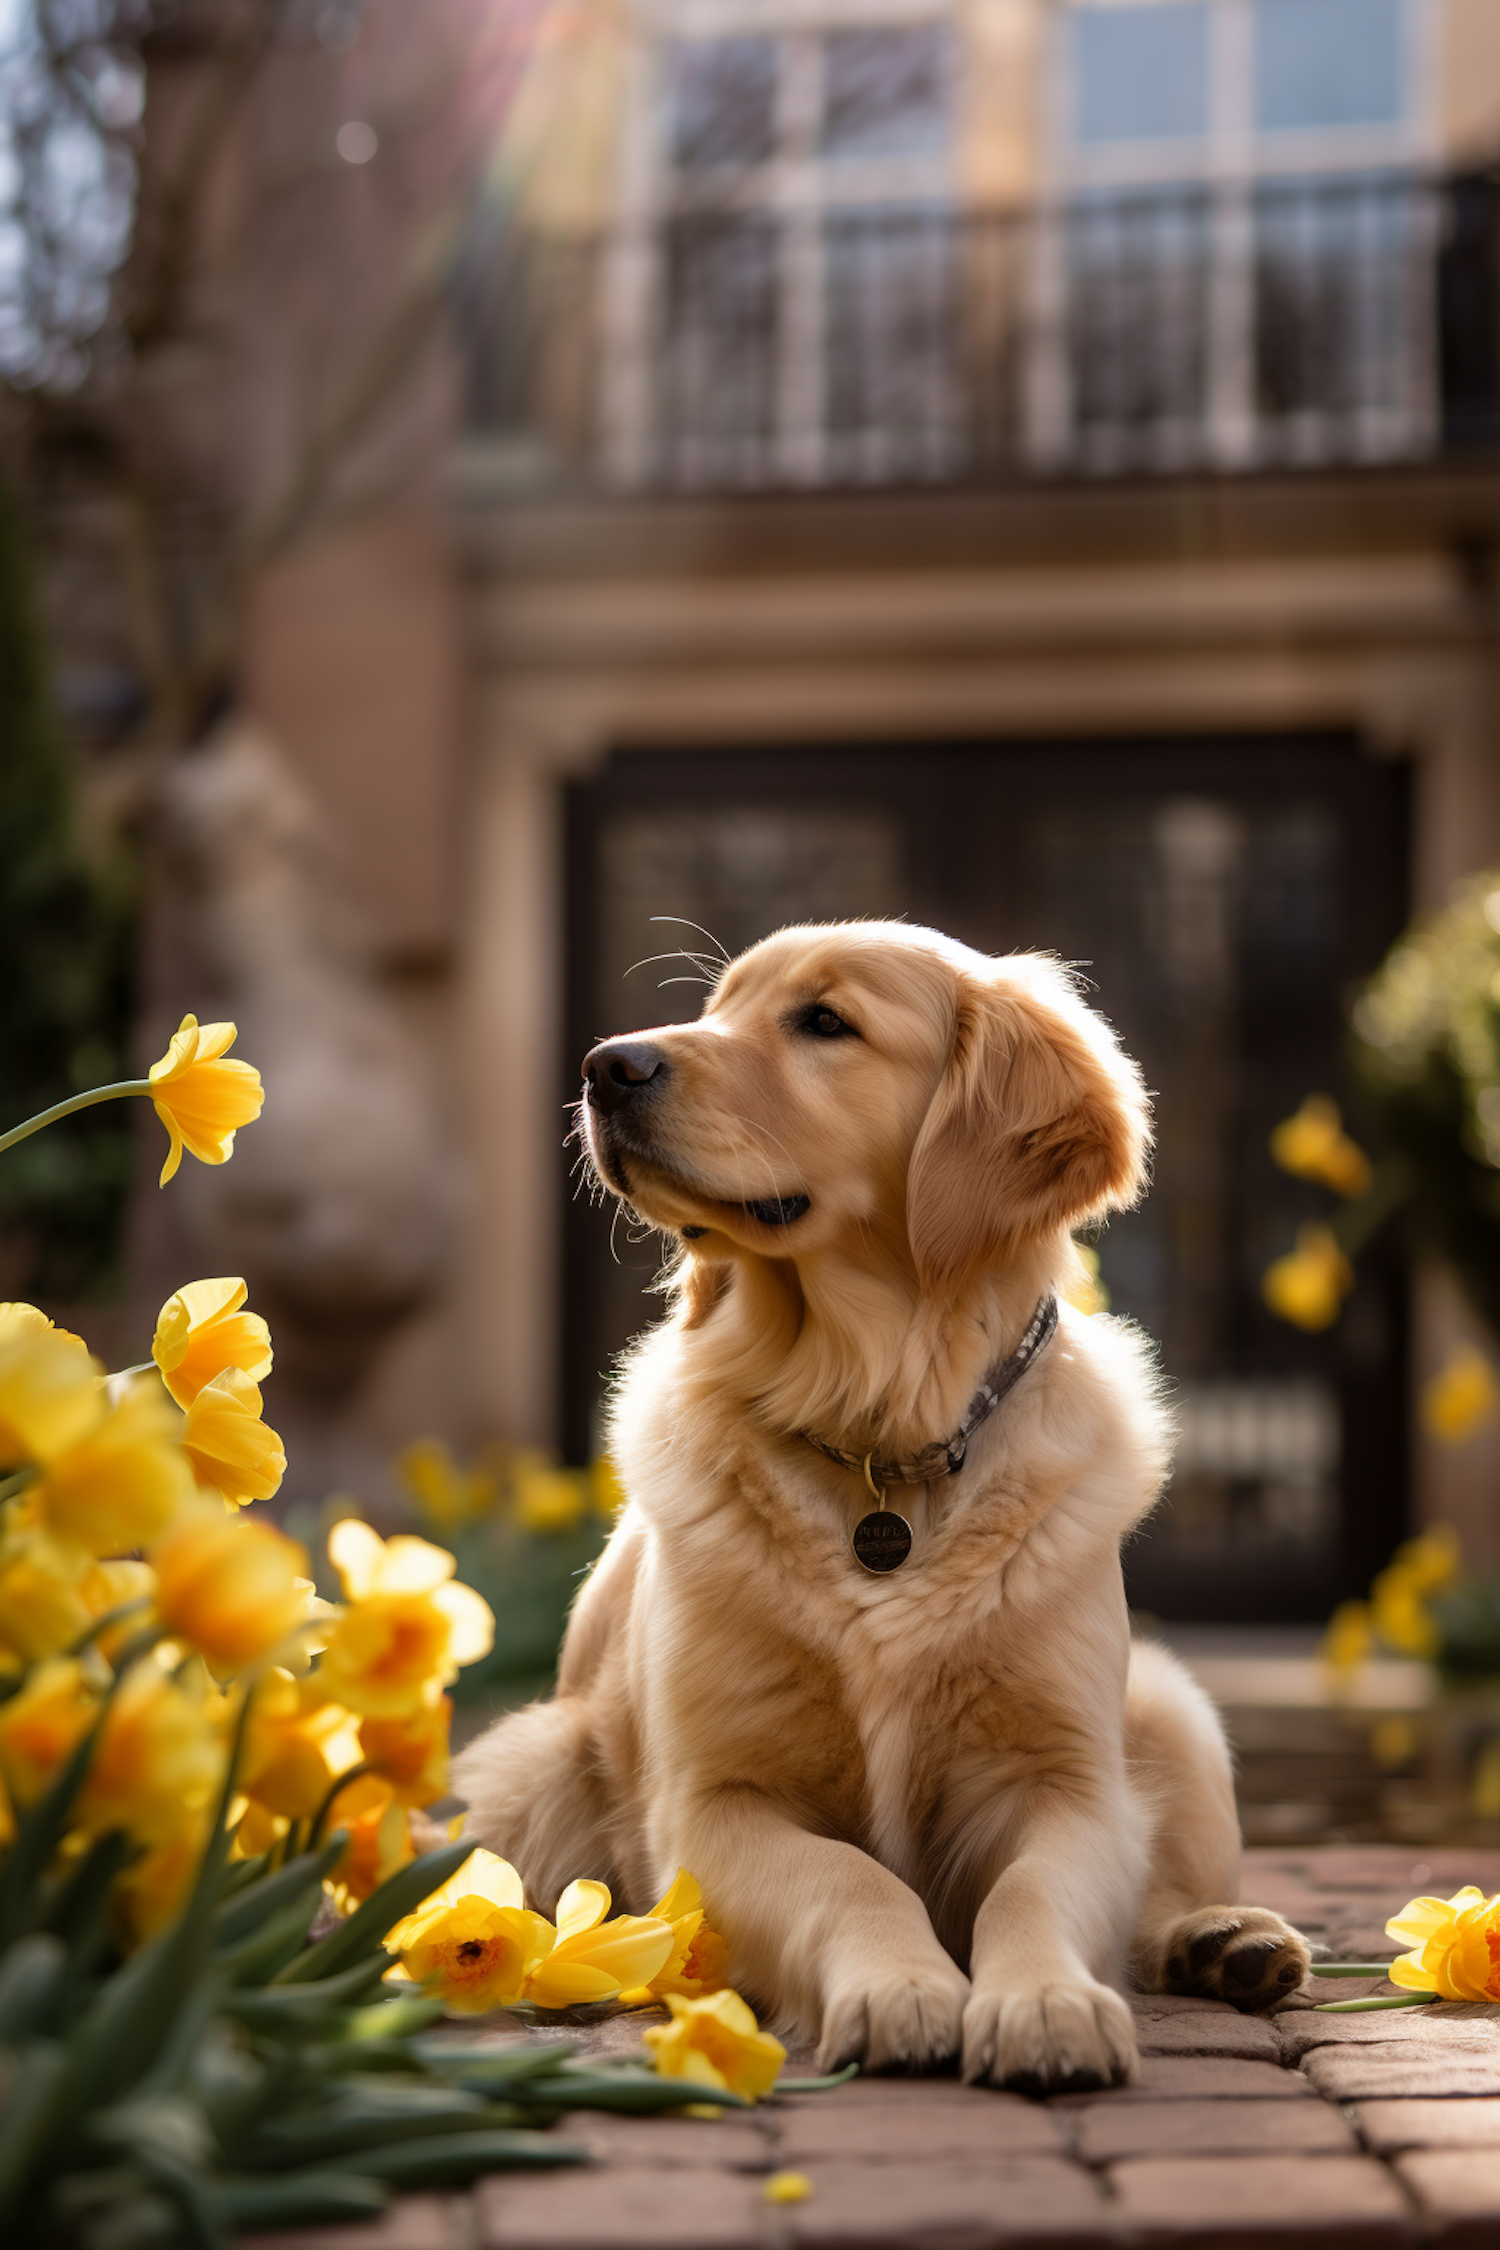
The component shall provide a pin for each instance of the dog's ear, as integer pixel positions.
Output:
(1038, 1123)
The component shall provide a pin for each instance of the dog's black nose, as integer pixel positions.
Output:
(618, 1068)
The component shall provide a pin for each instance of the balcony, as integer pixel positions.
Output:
(1228, 327)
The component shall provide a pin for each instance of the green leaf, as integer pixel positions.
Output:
(1355, 2007)
(269, 1944)
(247, 1905)
(392, 2018)
(1350, 1968)
(32, 1975)
(309, 2196)
(399, 1895)
(495, 2066)
(38, 1836)
(282, 2007)
(27, 2117)
(77, 1905)
(814, 2085)
(458, 2157)
(631, 2093)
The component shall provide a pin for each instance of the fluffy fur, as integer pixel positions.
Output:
(952, 1809)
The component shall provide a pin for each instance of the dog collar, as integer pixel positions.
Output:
(945, 1457)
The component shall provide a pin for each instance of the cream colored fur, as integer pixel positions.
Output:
(952, 1808)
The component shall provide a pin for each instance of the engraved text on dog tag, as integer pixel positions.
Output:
(882, 1541)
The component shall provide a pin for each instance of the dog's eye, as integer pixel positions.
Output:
(824, 1024)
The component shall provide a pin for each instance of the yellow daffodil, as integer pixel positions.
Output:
(717, 2043)
(474, 1942)
(608, 1492)
(231, 1449)
(411, 1753)
(1424, 1566)
(43, 1605)
(699, 1959)
(447, 1495)
(52, 1591)
(1349, 1639)
(202, 1098)
(298, 1740)
(18, 1319)
(549, 1499)
(787, 2187)
(159, 1757)
(1462, 1400)
(41, 1723)
(1314, 1146)
(407, 1629)
(1455, 1946)
(51, 1391)
(202, 1330)
(593, 1959)
(233, 1589)
(1308, 1286)
(123, 1483)
(379, 1840)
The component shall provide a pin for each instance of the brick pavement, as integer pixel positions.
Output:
(1331, 2132)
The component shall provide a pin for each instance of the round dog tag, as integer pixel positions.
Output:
(882, 1541)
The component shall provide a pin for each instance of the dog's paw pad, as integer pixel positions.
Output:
(1245, 1955)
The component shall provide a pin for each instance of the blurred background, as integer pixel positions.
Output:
(486, 477)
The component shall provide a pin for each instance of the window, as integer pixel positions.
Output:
(1141, 73)
(1327, 64)
(810, 324)
(887, 92)
(723, 103)
(1242, 256)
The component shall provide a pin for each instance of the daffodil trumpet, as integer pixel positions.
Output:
(70, 1107)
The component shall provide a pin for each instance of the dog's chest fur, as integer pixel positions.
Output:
(862, 1703)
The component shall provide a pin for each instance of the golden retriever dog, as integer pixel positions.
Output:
(946, 1808)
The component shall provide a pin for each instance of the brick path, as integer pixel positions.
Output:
(1359, 2132)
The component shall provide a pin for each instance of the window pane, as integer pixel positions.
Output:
(1140, 73)
(723, 103)
(1328, 62)
(887, 93)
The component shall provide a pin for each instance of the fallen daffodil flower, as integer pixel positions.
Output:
(699, 1959)
(474, 1942)
(594, 1959)
(716, 2043)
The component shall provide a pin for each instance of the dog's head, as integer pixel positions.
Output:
(877, 1089)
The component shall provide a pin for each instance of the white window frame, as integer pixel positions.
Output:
(1231, 162)
(798, 189)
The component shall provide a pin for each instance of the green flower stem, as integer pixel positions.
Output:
(1350, 1968)
(320, 1820)
(11, 1485)
(1354, 2007)
(73, 1103)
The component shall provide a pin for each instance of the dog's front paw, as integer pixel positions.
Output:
(1243, 1954)
(895, 2019)
(1059, 2038)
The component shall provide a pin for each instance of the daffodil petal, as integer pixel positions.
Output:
(582, 1907)
(355, 1552)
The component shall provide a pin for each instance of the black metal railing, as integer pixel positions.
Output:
(1321, 321)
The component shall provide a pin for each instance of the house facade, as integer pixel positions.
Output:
(1026, 465)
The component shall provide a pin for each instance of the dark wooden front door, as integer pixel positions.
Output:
(1223, 898)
